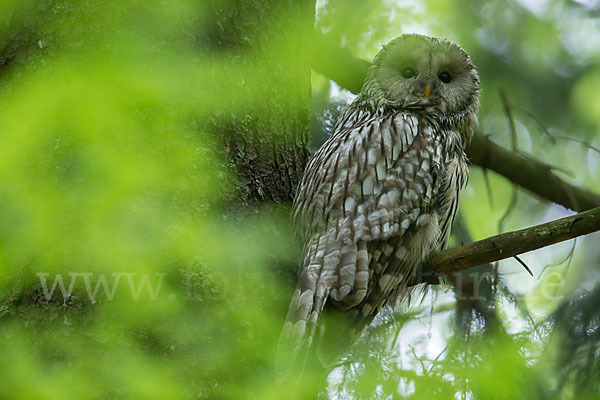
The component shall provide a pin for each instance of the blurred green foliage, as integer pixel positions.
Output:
(107, 167)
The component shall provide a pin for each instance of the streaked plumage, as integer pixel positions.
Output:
(381, 193)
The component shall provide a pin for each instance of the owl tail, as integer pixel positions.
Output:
(334, 267)
(295, 346)
(297, 336)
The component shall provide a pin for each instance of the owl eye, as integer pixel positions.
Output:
(408, 73)
(445, 77)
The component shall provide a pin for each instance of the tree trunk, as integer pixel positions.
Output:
(267, 142)
(266, 136)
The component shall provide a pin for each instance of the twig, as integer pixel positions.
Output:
(568, 257)
(488, 188)
(511, 121)
(513, 145)
(551, 136)
(585, 144)
(523, 264)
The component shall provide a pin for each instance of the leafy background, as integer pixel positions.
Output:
(106, 167)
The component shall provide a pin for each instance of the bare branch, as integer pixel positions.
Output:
(530, 174)
(510, 244)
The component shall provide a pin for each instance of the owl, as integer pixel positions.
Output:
(382, 192)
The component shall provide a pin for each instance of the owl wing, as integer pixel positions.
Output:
(374, 179)
(394, 261)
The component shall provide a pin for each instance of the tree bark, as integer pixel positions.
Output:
(267, 142)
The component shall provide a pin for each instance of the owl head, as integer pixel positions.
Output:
(424, 74)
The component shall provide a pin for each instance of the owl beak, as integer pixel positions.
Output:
(427, 91)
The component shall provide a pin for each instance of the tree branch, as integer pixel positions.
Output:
(530, 174)
(338, 64)
(510, 244)
(347, 71)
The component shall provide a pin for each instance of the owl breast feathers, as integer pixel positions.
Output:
(381, 194)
